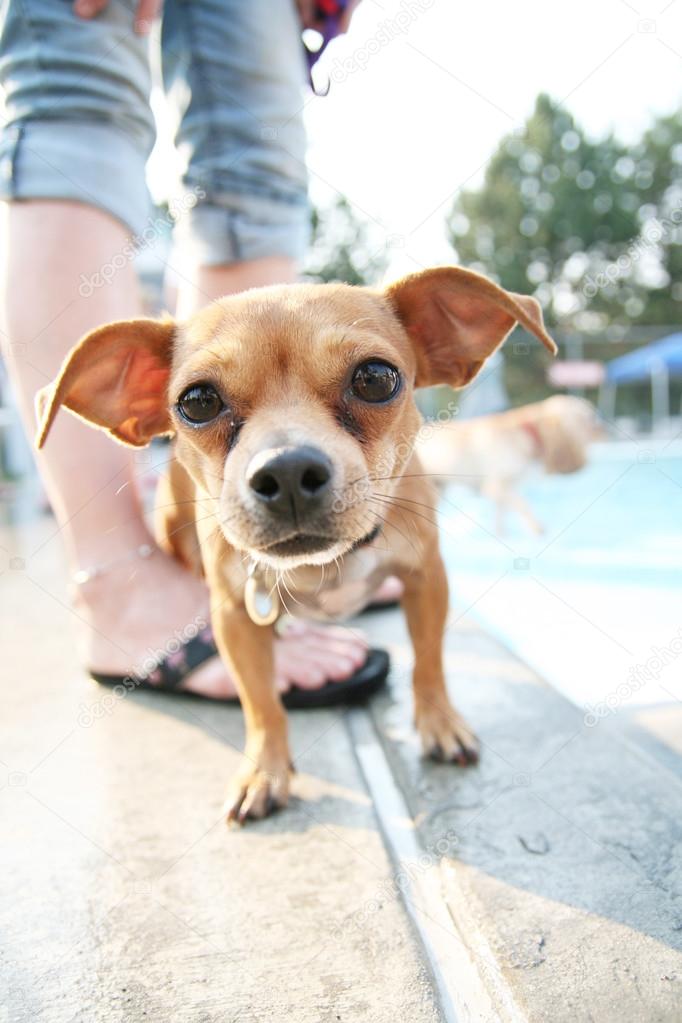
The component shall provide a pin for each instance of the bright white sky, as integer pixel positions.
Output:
(402, 135)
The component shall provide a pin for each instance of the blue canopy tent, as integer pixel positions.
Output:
(657, 363)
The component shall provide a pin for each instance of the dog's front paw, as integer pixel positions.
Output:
(445, 735)
(260, 786)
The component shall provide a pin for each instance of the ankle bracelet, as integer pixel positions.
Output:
(84, 575)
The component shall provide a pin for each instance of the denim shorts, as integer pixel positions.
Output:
(78, 125)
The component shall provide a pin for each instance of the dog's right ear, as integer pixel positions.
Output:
(116, 378)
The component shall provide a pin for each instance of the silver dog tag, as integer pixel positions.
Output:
(262, 605)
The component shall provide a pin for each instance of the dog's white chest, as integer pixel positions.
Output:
(329, 592)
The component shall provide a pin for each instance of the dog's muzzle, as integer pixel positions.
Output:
(291, 512)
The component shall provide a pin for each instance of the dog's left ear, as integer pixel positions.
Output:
(116, 378)
(456, 319)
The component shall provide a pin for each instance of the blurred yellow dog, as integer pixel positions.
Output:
(493, 454)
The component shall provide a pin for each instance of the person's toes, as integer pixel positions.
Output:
(329, 665)
(311, 658)
(342, 658)
(341, 668)
(323, 635)
(300, 666)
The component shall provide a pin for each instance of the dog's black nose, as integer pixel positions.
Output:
(290, 481)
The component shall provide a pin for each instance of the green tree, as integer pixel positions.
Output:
(344, 246)
(555, 210)
(657, 167)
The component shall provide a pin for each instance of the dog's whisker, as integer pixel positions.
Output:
(159, 507)
(414, 541)
(279, 593)
(407, 539)
(394, 502)
(431, 475)
(397, 503)
(384, 522)
(321, 582)
(172, 458)
(180, 504)
(186, 525)
(410, 500)
(284, 584)
(392, 525)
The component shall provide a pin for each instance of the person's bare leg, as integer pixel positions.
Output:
(51, 249)
(204, 284)
(308, 654)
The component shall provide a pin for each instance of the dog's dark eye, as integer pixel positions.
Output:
(200, 404)
(375, 381)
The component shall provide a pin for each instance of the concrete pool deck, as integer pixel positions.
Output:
(542, 885)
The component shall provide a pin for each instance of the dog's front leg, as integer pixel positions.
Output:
(444, 733)
(261, 783)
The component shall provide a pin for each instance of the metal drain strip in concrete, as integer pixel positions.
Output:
(460, 988)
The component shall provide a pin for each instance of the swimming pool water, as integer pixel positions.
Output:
(596, 602)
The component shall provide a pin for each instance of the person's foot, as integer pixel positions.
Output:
(134, 610)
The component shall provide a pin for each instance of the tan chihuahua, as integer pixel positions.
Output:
(294, 422)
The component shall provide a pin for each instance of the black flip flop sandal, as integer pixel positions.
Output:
(379, 605)
(357, 688)
(170, 672)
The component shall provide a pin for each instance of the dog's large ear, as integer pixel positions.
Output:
(456, 319)
(116, 377)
